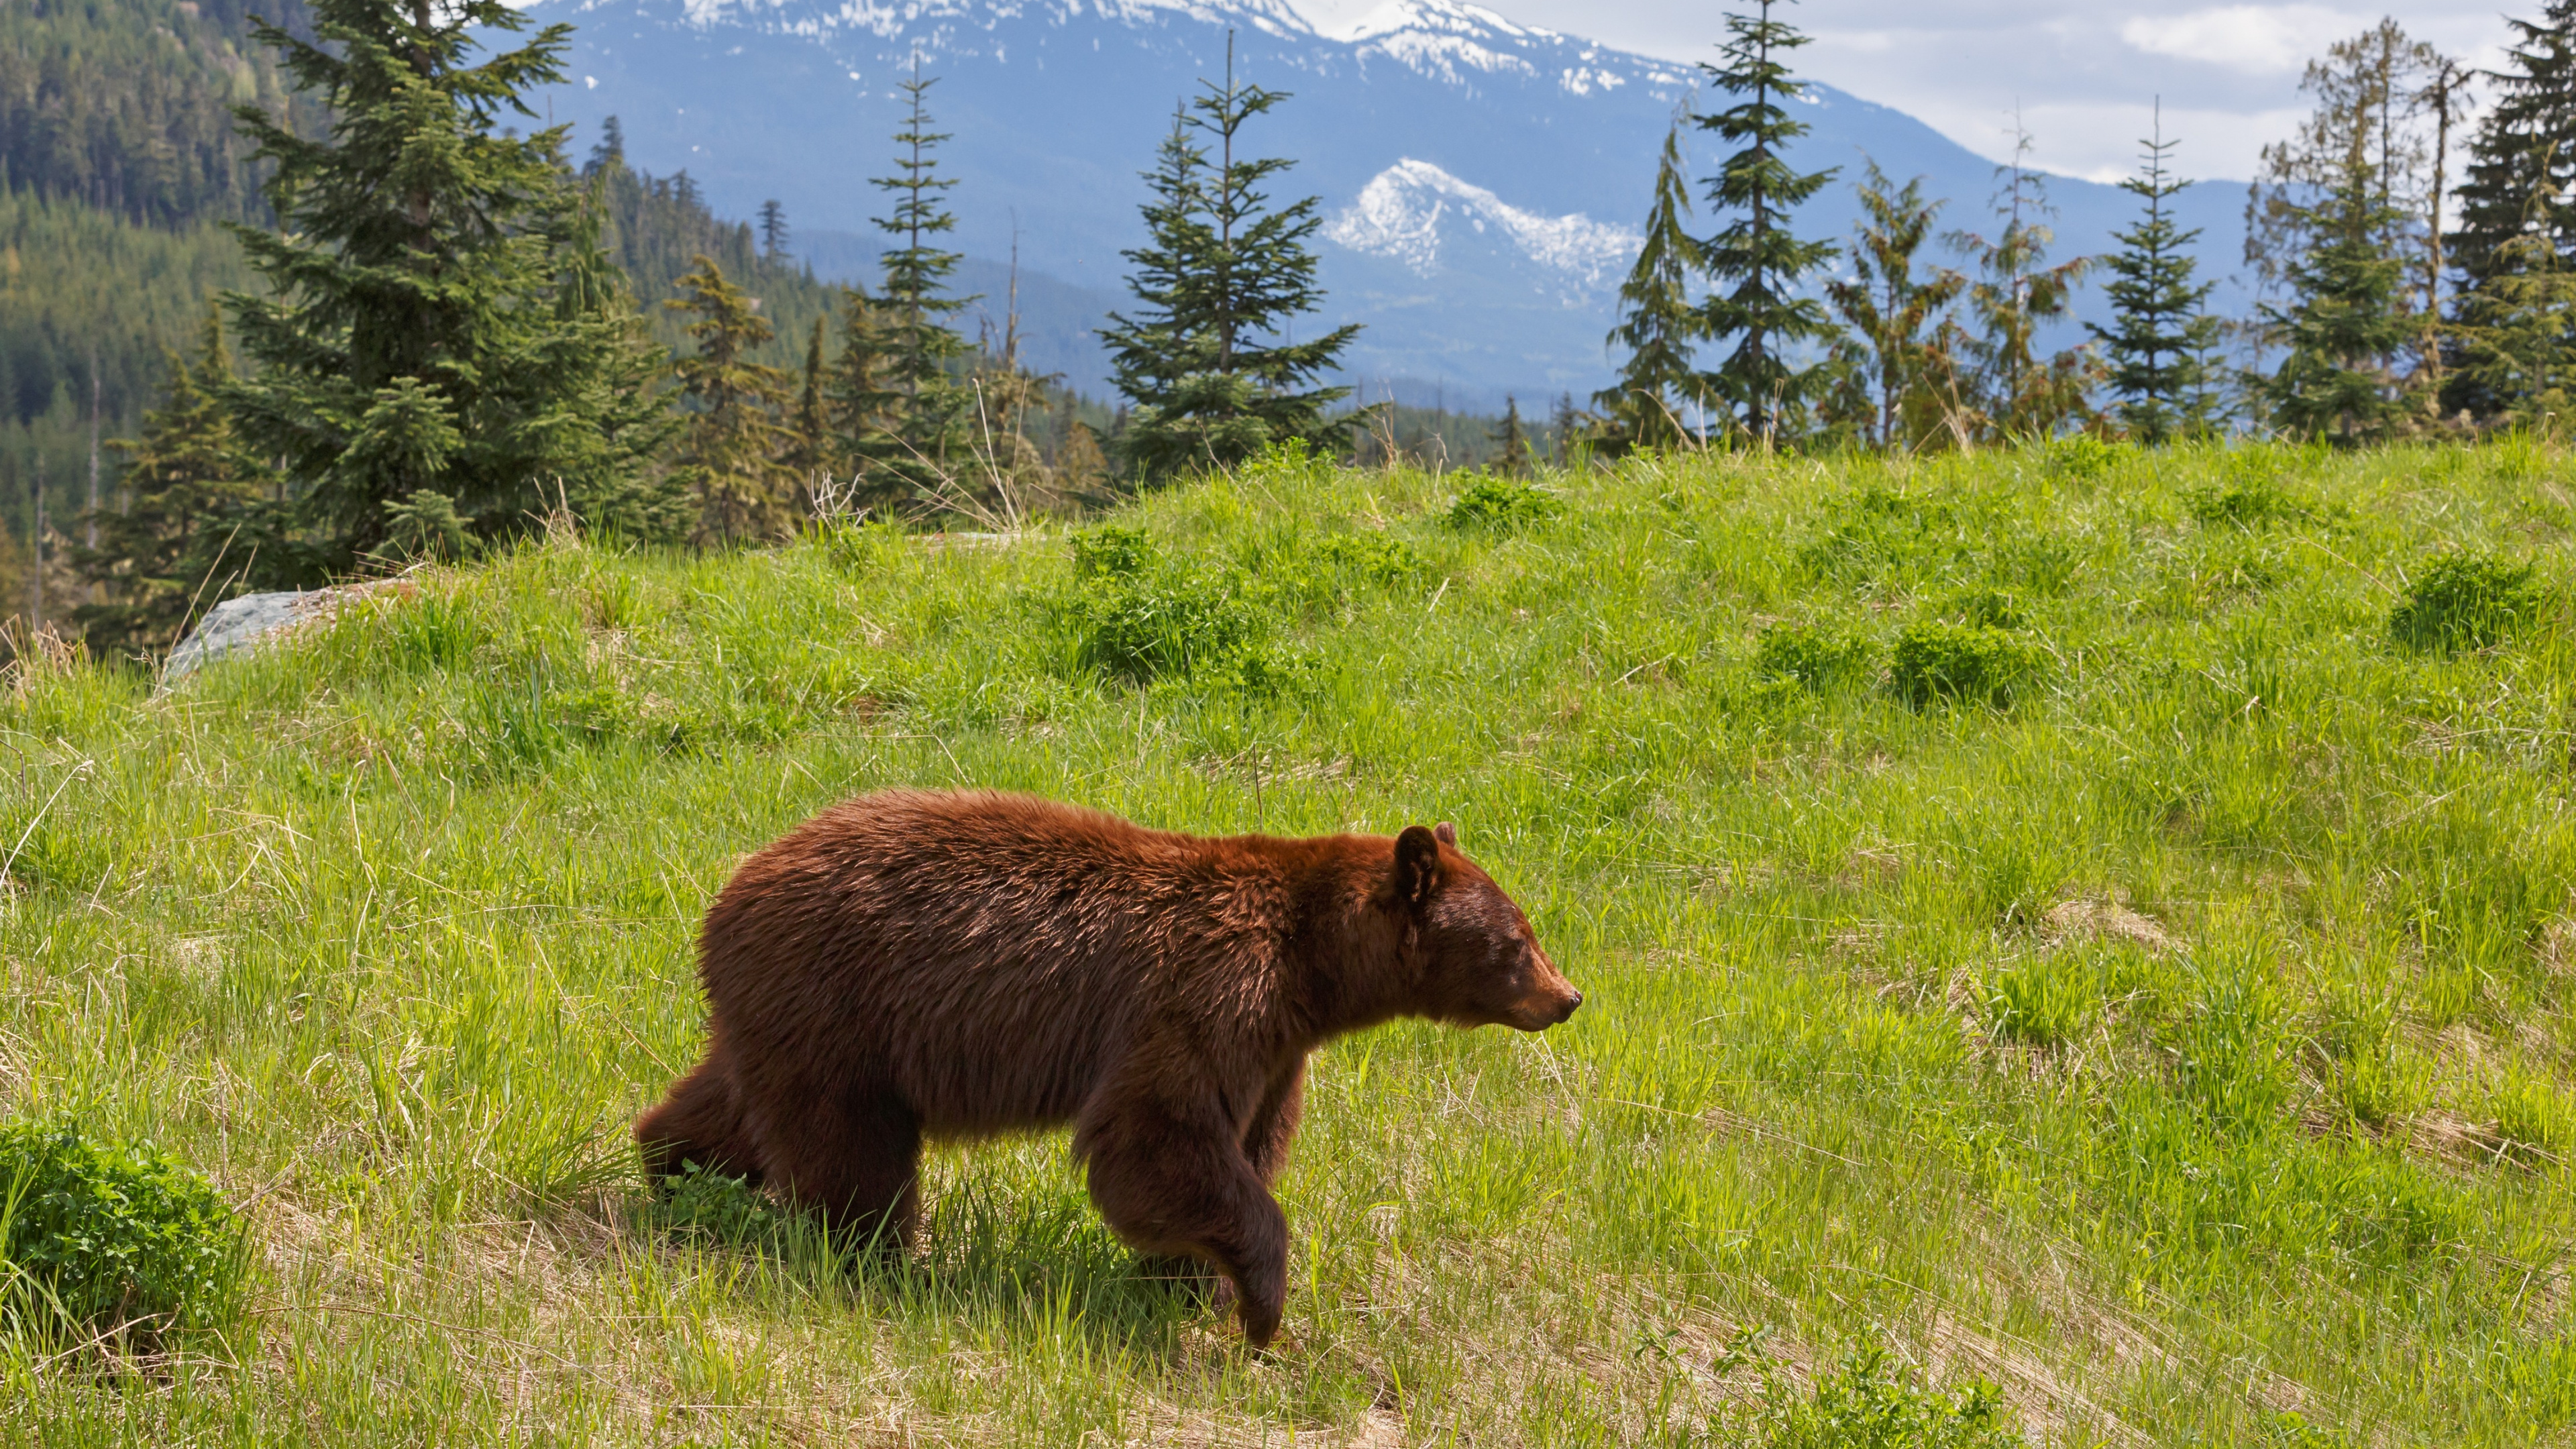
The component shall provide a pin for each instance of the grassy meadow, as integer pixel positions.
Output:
(2089, 923)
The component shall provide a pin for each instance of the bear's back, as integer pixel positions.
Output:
(989, 954)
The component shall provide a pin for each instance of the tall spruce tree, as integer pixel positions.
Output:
(1755, 261)
(860, 405)
(2345, 324)
(2515, 333)
(1893, 313)
(2520, 181)
(731, 454)
(1512, 439)
(2161, 325)
(925, 438)
(409, 357)
(190, 488)
(810, 453)
(1207, 362)
(1660, 322)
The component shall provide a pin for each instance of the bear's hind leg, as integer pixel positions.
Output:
(855, 1157)
(700, 1120)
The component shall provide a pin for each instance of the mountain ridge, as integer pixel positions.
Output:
(1432, 130)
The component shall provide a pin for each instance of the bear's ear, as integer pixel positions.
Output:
(1417, 866)
(1447, 833)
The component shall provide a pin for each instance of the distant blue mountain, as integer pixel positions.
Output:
(1482, 181)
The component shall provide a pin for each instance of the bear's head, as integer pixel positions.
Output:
(1471, 951)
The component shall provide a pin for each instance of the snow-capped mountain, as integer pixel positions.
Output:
(1481, 180)
(1415, 213)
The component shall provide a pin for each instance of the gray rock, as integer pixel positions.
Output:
(239, 624)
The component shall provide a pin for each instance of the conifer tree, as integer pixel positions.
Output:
(1755, 261)
(730, 454)
(773, 230)
(2018, 393)
(2521, 178)
(1514, 439)
(860, 405)
(926, 428)
(408, 354)
(2161, 325)
(810, 453)
(1659, 322)
(2345, 325)
(1207, 364)
(190, 489)
(1888, 309)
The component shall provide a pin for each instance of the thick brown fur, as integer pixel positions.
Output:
(960, 964)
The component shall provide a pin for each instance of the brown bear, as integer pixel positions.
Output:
(969, 963)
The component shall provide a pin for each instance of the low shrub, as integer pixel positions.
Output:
(1818, 656)
(1961, 663)
(1137, 615)
(100, 1236)
(1867, 1401)
(2464, 601)
(1500, 503)
(715, 1210)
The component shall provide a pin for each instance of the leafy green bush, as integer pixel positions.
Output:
(101, 1236)
(1501, 503)
(1140, 616)
(1867, 1401)
(2464, 601)
(1968, 663)
(1818, 656)
(717, 1210)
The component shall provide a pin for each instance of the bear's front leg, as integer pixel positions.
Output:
(1167, 1183)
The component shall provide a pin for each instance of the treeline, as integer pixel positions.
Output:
(2378, 315)
(127, 105)
(505, 341)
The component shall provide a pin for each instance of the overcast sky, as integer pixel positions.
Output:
(2083, 74)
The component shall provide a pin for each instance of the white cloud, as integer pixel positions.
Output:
(2261, 39)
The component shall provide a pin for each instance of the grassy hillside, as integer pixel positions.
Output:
(2180, 1043)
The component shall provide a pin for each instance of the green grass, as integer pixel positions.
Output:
(2174, 1036)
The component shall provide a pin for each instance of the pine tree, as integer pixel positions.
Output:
(1888, 309)
(810, 454)
(409, 355)
(191, 489)
(1659, 322)
(2162, 327)
(1755, 261)
(773, 231)
(1513, 439)
(2345, 326)
(860, 406)
(2521, 179)
(926, 438)
(1207, 365)
(2017, 393)
(730, 455)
